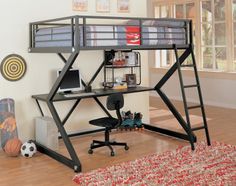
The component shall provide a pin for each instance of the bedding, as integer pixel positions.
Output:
(153, 33)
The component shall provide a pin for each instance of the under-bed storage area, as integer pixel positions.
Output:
(87, 32)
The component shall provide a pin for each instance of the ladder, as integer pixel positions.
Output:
(196, 86)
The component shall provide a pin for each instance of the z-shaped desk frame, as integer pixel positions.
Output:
(52, 97)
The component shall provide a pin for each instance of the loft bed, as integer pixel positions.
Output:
(77, 33)
(86, 33)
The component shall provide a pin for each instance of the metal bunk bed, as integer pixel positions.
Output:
(77, 33)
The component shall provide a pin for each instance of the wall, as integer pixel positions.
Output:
(15, 17)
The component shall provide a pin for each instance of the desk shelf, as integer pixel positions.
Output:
(111, 69)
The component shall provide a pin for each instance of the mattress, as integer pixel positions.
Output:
(95, 35)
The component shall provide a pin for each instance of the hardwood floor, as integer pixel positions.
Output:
(42, 170)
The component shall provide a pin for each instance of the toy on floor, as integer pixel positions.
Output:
(12, 147)
(128, 122)
(8, 129)
(138, 120)
(131, 121)
(28, 149)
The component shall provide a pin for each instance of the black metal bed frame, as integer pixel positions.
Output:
(75, 48)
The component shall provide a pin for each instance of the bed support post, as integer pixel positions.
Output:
(165, 78)
(191, 136)
(96, 73)
(74, 163)
(67, 66)
(64, 60)
(86, 85)
(173, 69)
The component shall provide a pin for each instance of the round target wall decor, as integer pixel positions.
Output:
(13, 67)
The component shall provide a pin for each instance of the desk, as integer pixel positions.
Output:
(74, 161)
(98, 93)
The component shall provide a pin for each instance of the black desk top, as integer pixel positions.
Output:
(97, 93)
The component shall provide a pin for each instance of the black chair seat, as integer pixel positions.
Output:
(107, 122)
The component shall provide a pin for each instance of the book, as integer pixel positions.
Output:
(120, 86)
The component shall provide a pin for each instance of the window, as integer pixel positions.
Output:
(213, 32)
(213, 27)
(166, 58)
(163, 56)
(234, 33)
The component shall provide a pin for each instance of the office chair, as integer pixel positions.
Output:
(114, 102)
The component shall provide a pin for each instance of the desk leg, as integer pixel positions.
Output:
(75, 164)
(53, 154)
(40, 109)
(102, 107)
(70, 111)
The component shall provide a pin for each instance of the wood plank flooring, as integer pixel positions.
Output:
(42, 170)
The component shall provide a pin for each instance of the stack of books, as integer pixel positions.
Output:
(120, 86)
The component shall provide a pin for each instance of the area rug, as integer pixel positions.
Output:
(207, 165)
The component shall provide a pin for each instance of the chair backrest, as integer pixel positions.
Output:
(116, 102)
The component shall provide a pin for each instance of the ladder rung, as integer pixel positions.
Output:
(190, 86)
(195, 106)
(198, 128)
(192, 65)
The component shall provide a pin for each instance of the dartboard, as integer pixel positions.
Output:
(13, 67)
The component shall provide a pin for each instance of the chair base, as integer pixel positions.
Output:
(96, 144)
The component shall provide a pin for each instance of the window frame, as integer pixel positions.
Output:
(230, 65)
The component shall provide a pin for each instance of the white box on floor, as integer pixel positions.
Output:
(46, 132)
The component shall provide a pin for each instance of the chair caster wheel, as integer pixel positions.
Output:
(90, 151)
(126, 147)
(112, 153)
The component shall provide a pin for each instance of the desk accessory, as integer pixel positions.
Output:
(131, 80)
